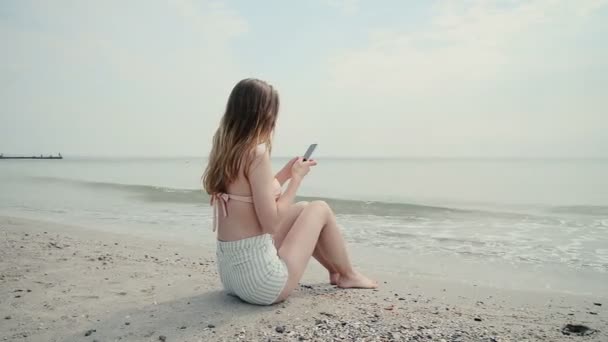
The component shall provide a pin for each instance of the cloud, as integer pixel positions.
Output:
(344, 6)
(471, 41)
(479, 78)
(138, 69)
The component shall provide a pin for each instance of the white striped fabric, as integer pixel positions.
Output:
(251, 269)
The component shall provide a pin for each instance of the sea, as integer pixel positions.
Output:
(522, 224)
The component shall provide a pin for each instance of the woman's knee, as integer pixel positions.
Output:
(320, 206)
(302, 204)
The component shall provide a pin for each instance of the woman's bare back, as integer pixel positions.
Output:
(242, 221)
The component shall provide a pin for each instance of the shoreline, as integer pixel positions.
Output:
(59, 282)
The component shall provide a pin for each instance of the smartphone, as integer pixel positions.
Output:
(308, 153)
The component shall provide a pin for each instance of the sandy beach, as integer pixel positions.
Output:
(70, 283)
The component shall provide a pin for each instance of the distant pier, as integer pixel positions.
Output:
(58, 156)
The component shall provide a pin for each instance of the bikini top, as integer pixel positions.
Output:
(221, 199)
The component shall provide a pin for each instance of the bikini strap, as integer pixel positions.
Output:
(221, 199)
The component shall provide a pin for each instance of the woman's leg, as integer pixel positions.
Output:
(286, 224)
(301, 240)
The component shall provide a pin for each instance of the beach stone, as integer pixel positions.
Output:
(210, 326)
(89, 332)
(577, 329)
(183, 327)
(127, 323)
(7, 317)
(597, 304)
(162, 338)
(280, 329)
(477, 319)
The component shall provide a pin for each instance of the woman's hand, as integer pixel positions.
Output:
(285, 173)
(300, 168)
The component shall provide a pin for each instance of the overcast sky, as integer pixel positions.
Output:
(361, 78)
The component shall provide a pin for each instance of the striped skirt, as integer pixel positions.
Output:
(251, 269)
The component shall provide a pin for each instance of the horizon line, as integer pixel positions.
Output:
(345, 157)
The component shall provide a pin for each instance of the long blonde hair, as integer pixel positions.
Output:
(250, 118)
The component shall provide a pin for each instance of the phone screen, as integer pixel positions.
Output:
(308, 153)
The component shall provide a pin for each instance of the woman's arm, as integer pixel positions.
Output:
(268, 209)
(285, 173)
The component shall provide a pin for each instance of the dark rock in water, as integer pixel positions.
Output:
(597, 304)
(577, 329)
(210, 326)
(280, 329)
(162, 338)
(477, 319)
(89, 332)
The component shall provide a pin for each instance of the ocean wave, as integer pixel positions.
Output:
(193, 196)
(592, 210)
(347, 206)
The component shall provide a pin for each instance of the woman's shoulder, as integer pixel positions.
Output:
(260, 150)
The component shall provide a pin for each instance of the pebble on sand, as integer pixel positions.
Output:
(210, 326)
(162, 338)
(89, 332)
(477, 319)
(280, 329)
(577, 329)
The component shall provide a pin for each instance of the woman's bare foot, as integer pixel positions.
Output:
(356, 280)
(333, 278)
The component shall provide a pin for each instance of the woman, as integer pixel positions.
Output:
(265, 240)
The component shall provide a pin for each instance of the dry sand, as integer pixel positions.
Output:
(68, 283)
